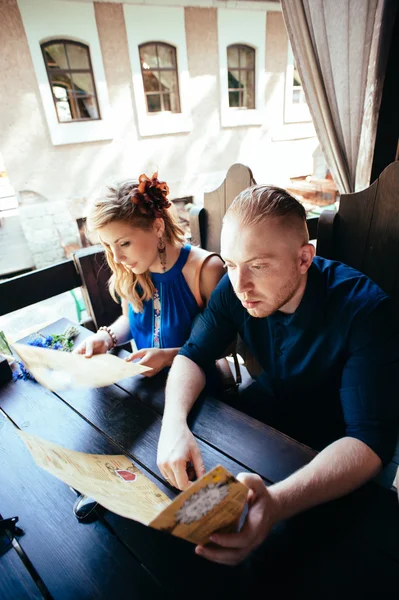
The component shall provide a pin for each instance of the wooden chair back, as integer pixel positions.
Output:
(206, 221)
(364, 233)
(95, 273)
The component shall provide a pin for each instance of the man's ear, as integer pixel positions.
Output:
(307, 252)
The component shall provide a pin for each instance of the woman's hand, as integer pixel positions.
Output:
(99, 343)
(156, 358)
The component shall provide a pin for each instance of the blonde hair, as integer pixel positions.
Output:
(260, 202)
(139, 204)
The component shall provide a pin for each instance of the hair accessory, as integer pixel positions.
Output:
(151, 195)
(111, 335)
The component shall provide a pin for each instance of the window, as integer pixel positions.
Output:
(241, 76)
(160, 81)
(298, 95)
(70, 75)
(296, 109)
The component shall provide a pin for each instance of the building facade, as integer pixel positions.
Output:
(95, 92)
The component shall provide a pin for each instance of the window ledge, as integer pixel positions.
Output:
(78, 133)
(293, 131)
(165, 123)
(238, 117)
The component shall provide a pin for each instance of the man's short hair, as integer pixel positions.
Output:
(264, 201)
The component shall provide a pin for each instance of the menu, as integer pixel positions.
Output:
(212, 503)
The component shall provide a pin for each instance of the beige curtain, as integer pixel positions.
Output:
(341, 48)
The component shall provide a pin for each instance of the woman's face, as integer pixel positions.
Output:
(134, 247)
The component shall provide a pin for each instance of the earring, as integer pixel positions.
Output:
(162, 254)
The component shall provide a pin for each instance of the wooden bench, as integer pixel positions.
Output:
(364, 234)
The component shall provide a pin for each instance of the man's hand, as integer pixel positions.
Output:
(232, 548)
(156, 358)
(176, 448)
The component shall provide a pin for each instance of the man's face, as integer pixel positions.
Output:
(265, 264)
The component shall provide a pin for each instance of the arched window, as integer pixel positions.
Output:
(71, 80)
(241, 76)
(160, 81)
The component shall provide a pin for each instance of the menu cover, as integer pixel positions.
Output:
(212, 503)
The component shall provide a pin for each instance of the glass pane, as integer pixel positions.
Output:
(234, 99)
(151, 81)
(148, 56)
(166, 101)
(55, 56)
(232, 57)
(234, 80)
(154, 102)
(247, 81)
(168, 81)
(296, 95)
(87, 107)
(166, 56)
(247, 57)
(83, 84)
(296, 78)
(62, 103)
(78, 57)
(174, 103)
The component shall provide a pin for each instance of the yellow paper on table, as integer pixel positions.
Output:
(58, 370)
(216, 501)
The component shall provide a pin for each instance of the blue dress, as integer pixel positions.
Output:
(167, 318)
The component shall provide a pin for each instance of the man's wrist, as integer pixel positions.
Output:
(170, 354)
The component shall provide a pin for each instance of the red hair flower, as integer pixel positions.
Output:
(150, 196)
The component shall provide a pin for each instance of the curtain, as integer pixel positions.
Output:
(341, 49)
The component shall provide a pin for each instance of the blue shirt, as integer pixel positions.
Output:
(167, 318)
(330, 369)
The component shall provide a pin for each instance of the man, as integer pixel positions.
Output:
(327, 340)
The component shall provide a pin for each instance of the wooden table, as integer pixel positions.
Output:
(119, 558)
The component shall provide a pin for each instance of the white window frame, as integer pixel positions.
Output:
(75, 21)
(165, 24)
(293, 113)
(235, 27)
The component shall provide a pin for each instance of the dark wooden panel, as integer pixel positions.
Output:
(312, 224)
(382, 253)
(15, 581)
(74, 560)
(133, 421)
(130, 421)
(352, 229)
(325, 233)
(256, 446)
(34, 287)
(131, 417)
(95, 273)
(198, 226)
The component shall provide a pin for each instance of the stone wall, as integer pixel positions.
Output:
(50, 231)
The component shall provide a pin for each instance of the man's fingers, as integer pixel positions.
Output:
(89, 349)
(180, 474)
(253, 482)
(197, 461)
(232, 540)
(221, 556)
(136, 355)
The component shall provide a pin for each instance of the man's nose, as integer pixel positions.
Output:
(242, 281)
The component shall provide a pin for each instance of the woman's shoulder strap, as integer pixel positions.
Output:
(201, 257)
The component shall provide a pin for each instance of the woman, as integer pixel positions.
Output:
(163, 283)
